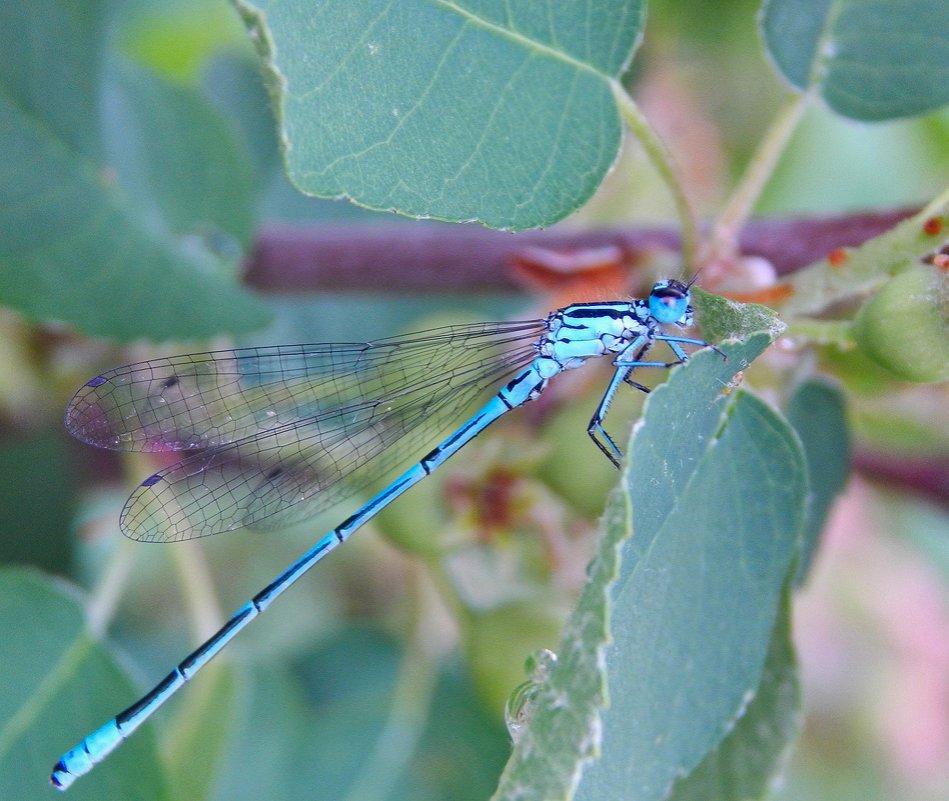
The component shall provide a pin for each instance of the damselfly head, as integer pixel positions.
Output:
(669, 302)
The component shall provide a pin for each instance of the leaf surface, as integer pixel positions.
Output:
(478, 110)
(717, 486)
(871, 59)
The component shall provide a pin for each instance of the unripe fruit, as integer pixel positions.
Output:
(905, 326)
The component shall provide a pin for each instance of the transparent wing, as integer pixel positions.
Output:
(309, 417)
(208, 399)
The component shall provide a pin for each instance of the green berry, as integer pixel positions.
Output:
(904, 327)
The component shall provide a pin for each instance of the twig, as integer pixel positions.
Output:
(437, 258)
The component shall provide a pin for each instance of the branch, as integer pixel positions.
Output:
(926, 476)
(438, 258)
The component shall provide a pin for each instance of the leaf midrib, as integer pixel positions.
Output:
(520, 39)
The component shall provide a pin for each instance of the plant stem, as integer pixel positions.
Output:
(105, 596)
(204, 612)
(724, 241)
(665, 166)
(821, 332)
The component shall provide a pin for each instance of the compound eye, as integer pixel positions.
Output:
(669, 301)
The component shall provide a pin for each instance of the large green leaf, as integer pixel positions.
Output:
(58, 685)
(871, 59)
(717, 486)
(683, 595)
(480, 110)
(124, 200)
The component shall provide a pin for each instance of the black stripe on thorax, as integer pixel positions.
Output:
(589, 310)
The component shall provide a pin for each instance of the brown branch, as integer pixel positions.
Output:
(925, 476)
(437, 257)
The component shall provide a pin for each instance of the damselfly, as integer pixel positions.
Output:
(279, 433)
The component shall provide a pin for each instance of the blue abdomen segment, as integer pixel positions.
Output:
(104, 740)
(81, 759)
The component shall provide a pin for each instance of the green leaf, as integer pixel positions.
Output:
(458, 733)
(286, 738)
(59, 685)
(234, 84)
(50, 68)
(124, 201)
(684, 589)
(500, 113)
(818, 415)
(747, 763)
(176, 178)
(728, 319)
(717, 487)
(871, 59)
